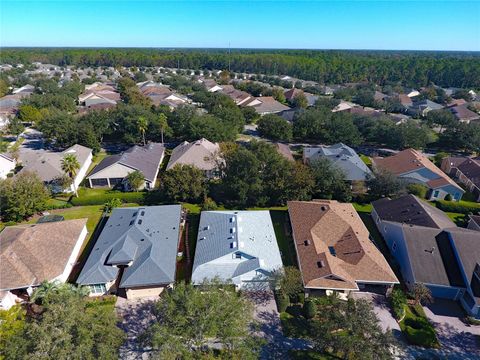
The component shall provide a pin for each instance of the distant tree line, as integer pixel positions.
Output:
(411, 68)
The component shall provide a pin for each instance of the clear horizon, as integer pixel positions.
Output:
(313, 25)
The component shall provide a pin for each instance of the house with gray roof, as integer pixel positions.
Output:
(236, 246)
(202, 154)
(430, 249)
(342, 156)
(135, 252)
(48, 165)
(113, 170)
(421, 108)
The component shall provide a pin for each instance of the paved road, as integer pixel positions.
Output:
(271, 330)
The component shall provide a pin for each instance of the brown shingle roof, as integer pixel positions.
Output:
(333, 246)
(30, 254)
(410, 160)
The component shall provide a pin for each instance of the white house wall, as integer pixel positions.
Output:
(114, 171)
(73, 257)
(83, 171)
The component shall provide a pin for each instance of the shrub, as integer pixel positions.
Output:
(309, 309)
(421, 334)
(301, 298)
(458, 207)
(398, 301)
(471, 321)
(418, 190)
(282, 302)
(448, 197)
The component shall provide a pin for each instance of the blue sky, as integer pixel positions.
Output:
(388, 24)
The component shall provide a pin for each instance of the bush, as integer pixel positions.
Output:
(421, 334)
(309, 309)
(470, 320)
(458, 207)
(101, 199)
(398, 301)
(418, 190)
(282, 302)
(301, 298)
(448, 197)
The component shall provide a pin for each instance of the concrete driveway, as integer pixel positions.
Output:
(457, 338)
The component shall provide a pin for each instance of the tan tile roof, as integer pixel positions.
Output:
(333, 246)
(410, 160)
(30, 254)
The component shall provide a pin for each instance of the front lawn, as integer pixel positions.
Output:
(417, 329)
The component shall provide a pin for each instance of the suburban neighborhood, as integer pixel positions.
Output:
(249, 203)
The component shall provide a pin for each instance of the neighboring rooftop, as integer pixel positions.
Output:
(334, 247)
(222, 233)
(411, 210)
(145, 159)
(341, 156)
(30, 254)
(201, 153)
(48, 165)
(410, 160)
(145, 239)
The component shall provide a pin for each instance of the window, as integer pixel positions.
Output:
(238, 255)
(332, 250)
(435, 193)
(98, 289)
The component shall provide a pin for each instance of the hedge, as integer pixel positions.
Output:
(458, 207)
(309, 309)
(126, 197)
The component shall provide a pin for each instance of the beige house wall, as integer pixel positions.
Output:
(144, 292)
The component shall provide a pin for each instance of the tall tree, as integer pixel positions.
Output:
(70, 166)
(135, 180)
(142, 124)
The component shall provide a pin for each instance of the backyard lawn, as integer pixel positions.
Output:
(284, 239)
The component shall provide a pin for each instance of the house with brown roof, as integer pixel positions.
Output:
(414, 167)
(464, 114)
(266, 105)
(31, 254)
(335, 251)
(464, 170)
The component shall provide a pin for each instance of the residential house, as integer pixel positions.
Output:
(474, 222)
(463, 114)
(344, 106)
(422, 107)
(238, 96)
(414, 167)
(48, 165)
(236, 246)
(343, 157)
(466, 171)
(456, 102)
(162, 95)
(266, 105)
(379, 96)
(211, 85)
(405, 100)
(284, 150)
(202, 154)
(113, 170)
(136, 253)
(99, 95)
(431, 250)
(31, 254)
(334, 249)
(26, 89)
(292, 93)
(7, 164)
(9, 105)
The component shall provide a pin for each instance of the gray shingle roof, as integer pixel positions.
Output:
(144, 237)
(411, 210)
(222, 234)
(342, 156)
(146, 159)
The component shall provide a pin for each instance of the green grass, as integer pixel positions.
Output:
(459, 219)
(366, 159)
(88, 196)
(363, 208)
(417, 329)
(284, 240)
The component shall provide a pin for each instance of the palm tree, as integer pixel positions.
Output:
(163, 123)
(43, 290)
(70, 166)
(142, 124)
